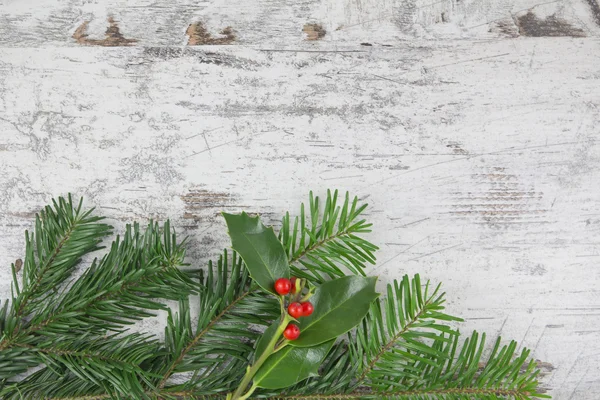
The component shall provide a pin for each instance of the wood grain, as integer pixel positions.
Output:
(474, 139)
(268, 23)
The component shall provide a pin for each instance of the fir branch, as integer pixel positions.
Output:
(432, 394)
(112, 361)
(326, 243)
(199, 337)
(503, 374)
(54, 383)
(16, 361)
(160, 395)
(63, 235)
(229, 304)
(394, 331)
(3, 315)
(298, 256)
(119, 290)
(124, 287)
(452, 374)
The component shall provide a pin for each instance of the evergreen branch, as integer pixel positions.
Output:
(503, 375)
(43, 268)
(3, 315)
(63, 235)
(391, 343)
(394, 330)
(112, 361)
(16, 361)
(123, 286)
(432, 394)
(229, 305)
(198, 337)
(54, 383)
(161, 395)
(52, 351)
(447, 374)
(120, 289)
(327, 243)
(297, 257)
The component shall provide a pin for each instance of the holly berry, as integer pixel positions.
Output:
(307, 308)
(291, 332)
(296, 310)
(293, 282)
(283, 286)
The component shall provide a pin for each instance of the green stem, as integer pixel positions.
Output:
(299, 290)
(253, 369)
(250, 391)
(282, 304)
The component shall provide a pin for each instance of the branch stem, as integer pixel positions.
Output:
(356, 395)
(26, 293)
(197, 338)
(393, 340)
(253, 369)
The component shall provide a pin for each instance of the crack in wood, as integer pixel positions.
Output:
(504, 202)
(198, 200)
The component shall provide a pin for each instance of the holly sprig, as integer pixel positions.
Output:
(337, 306)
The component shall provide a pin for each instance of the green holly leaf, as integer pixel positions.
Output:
(260, 249)
(291, 365)
(340, 305)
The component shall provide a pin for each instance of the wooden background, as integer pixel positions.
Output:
(470, 126)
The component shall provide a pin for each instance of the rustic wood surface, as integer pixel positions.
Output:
(471, 127)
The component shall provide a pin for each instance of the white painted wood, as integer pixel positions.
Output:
(44, 23)
(479, 157)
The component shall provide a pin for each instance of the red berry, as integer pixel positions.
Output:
(283, 286)
(293, 281)
(295, 310)
(307, 308)
(291, 332)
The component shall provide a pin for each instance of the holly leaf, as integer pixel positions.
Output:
(291, 365)
(339, 305)
(260, 249)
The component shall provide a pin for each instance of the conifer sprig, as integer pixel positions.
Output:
(326, 241)
(63, 234)
(221, 337)
(396, 331)
(69, 330)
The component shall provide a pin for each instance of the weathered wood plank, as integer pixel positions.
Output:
(480, 160)
(269, 23)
